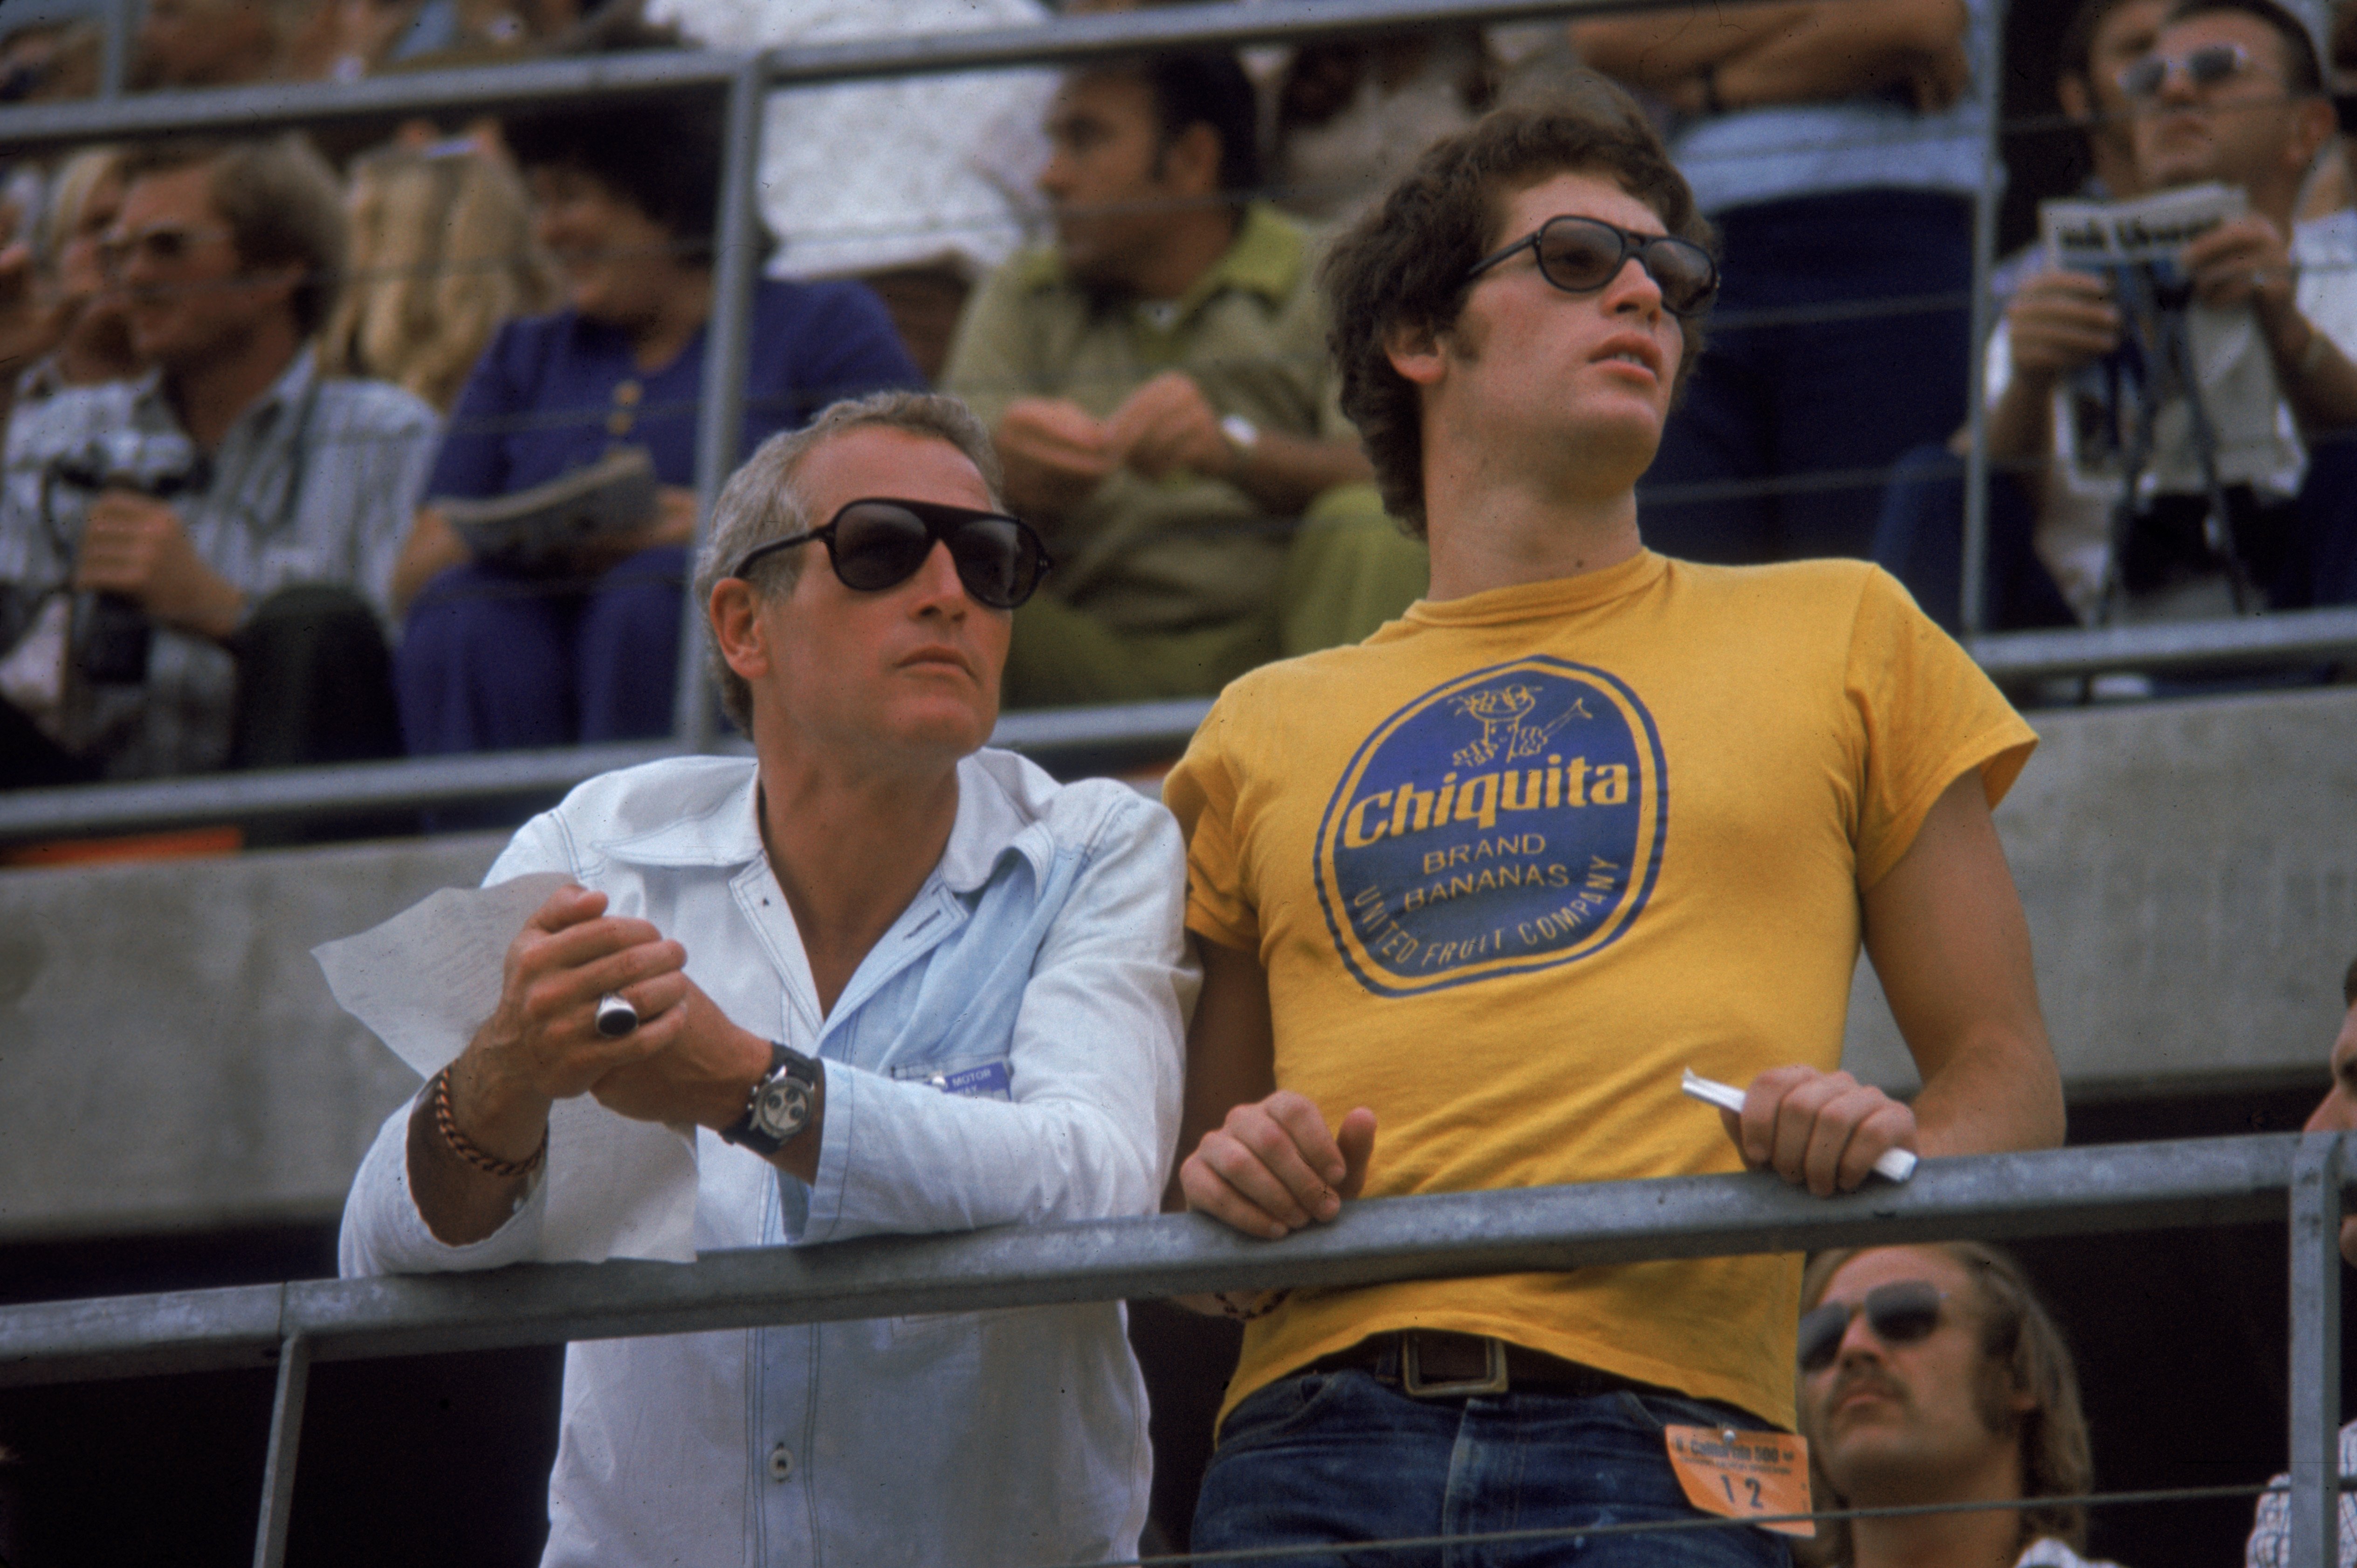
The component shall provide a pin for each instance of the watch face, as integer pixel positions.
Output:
(781, 1108)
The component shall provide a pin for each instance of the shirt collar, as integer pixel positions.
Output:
(999, 805)
(150, 406)
(1267, 258)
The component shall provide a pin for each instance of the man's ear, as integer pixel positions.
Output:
(737, 628)
(1190, 164)
(2070, 92)
(2311, 128)
(1414, 348)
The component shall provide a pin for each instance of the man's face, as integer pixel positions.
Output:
(2237, 131)
(2336, 1111)
(909, 673)
(2124, 36)
(1106, 178)
(1586, 376)
(187, 297)
(1903, 1424)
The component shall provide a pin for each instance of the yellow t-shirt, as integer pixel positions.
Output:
(1518, 858)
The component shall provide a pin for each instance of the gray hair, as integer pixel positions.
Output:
(762, 502)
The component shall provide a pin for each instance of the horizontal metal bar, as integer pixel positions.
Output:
(2290, 638)
(2108, 1189)
(1096, 736)
(506, 88)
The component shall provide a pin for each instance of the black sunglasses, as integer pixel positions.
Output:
(1899, 1314)
(1580, 255)
(878, 543)
(2205, 67)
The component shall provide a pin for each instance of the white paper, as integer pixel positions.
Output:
(424, 980)
(1896, 1163)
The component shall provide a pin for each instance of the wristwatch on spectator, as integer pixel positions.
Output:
(1242, 436)
(780, 1105)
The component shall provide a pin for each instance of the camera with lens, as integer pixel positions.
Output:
(109, 633)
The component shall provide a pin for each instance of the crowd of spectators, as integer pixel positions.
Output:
(1117, 267)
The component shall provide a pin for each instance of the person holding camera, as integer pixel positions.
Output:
(194, 564)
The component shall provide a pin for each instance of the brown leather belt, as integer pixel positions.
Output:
(1431, 1363)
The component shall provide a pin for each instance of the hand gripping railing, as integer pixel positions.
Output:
(2118, 1187)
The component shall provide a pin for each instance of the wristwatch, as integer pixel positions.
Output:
(1242, 436)
(780, 1105)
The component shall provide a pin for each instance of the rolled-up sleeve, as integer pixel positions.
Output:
(1095, 1064)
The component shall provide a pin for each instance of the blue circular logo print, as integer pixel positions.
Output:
(1508, 821)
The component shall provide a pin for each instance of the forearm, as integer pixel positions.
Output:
(1662, 47)
(2318, 379)
(1996, 1092)
(1838, 50)
(432, 548)
(2020, 427)
(384, 1232)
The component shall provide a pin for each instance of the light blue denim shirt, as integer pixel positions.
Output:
(1749, 155)
(1044, 964)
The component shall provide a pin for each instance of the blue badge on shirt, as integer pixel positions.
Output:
(989, 1081)
(1510, 819)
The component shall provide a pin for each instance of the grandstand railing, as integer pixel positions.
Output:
(1081, 735)
(2110, 1188)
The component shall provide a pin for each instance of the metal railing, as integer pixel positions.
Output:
(2110, 1188)
(745, 78)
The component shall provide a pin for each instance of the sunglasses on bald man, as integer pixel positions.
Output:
(879, 542)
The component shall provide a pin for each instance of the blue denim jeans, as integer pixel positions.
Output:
(1340, 1457)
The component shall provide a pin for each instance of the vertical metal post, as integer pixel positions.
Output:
(2316, 1350)
(720, 423)
(114, 64)
(1973, 611)
(285, 1438)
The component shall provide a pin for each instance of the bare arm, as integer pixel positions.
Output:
(1662, 47)
(432, 548)
(2247, 263)
(1946, 934)
(1846, 46)
(1168, 424)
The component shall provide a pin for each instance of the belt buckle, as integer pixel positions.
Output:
(1492, 1380)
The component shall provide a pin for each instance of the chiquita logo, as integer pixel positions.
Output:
(1508, 821)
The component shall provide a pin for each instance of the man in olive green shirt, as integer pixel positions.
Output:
(1158, 388)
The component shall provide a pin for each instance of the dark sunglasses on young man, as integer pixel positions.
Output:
(1899, 1314)
(2205, 67)
(879, 542)
(1580, 255)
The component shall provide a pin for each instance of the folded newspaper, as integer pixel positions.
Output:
(543, 528)
(2130, 408)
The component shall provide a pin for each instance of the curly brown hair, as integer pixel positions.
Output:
(1404, 264)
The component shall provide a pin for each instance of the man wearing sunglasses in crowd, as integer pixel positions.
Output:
(1157, 383)
(195, 565)
(2230, 92)
(888, 981)
(1934, 1375)
(1473, 893)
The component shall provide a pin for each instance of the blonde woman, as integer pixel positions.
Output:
(441, 253)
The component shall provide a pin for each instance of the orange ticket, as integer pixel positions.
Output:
(1744, 1475)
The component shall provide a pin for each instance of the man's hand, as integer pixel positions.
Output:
(1168, 424)
(1272, 1167)
(136, 546)
(700, 1076)
(2244, 262)
(2059, 321)
(1056, 454)
(1819, 1130)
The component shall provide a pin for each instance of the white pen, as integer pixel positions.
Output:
(1896, 1163)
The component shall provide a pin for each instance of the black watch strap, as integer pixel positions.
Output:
(779, 1106)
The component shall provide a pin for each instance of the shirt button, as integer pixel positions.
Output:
(781, 1461)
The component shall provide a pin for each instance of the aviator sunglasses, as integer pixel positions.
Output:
(878, 543)
(1899, 1314)
(1580, 255)
(2205, 67)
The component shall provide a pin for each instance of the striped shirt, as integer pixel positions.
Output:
(316, 483)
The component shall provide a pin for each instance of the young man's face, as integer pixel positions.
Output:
(187, 297)
(2240, 130)
(1584, 378)
(1898, 1423)
(909, 672)
(1106, 178)
(2336, 1111)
